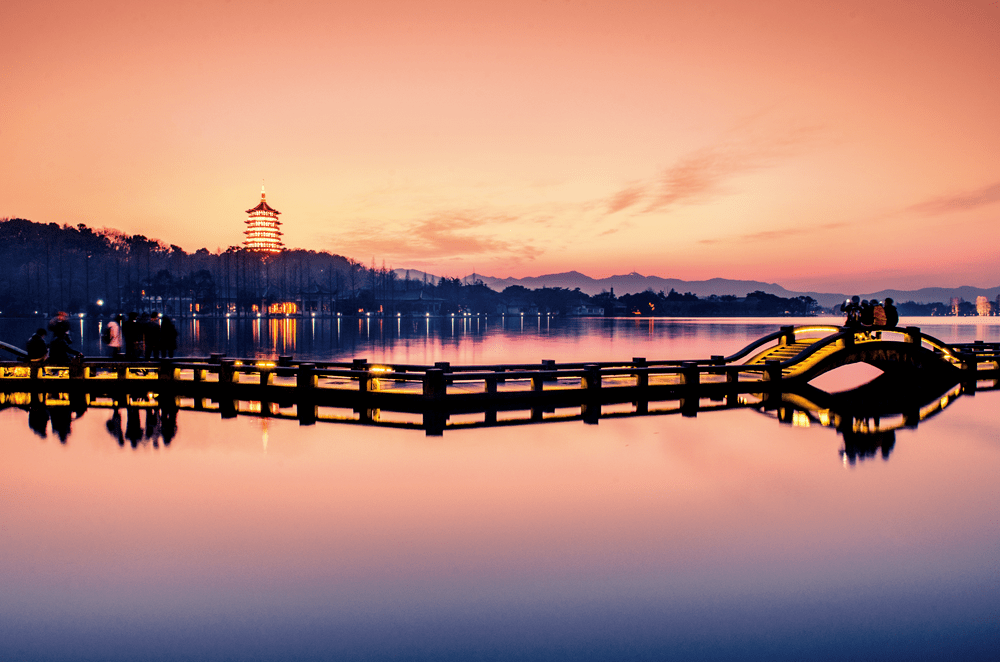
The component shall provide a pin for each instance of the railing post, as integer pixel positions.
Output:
(434, 385)
(361, 365)
(435, 389)
(970, 370)
(787, 335)
(216, 358)
(537, 386)
(732, 385)
(691, 380)
(166, 372)
(491, 390)
(227, 372)
(227, 378)
(641, 378)
(641, 384)
(305, 384)
(913, 336)
(76, 368)
(549, 364)
(772, 375)
(591, 383)
(305, 379)
(285, 361)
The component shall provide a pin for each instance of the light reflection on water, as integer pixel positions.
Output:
(721, 537)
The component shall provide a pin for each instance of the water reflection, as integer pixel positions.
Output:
(160, 425)
(866, 417)
(55, 413)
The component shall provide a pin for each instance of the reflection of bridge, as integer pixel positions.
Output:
(771, 373)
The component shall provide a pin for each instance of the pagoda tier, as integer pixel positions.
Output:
(262, 233)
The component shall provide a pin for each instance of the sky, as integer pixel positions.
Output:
(830, 146)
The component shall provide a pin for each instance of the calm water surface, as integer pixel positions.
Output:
(719, 537)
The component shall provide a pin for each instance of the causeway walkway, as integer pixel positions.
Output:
(434, 397)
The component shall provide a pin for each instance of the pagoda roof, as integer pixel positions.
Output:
(263, 206)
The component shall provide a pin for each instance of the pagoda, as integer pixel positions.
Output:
(262, 233)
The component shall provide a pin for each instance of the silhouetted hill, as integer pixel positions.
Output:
(634, 283)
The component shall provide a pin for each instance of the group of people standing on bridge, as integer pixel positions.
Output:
(141, 336)
(146, 336)
(870, 314)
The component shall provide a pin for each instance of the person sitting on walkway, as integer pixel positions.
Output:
(867, 314)
(891, 314)
(852, 309)
(60, 352)
(37, 349)
(878, 315)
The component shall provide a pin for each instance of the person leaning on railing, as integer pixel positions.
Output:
(891, 314)
(60, 353)
(37, 349)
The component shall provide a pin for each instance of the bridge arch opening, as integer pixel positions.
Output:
(846, 377)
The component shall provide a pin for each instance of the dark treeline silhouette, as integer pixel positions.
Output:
(675, 304)
(48, 267)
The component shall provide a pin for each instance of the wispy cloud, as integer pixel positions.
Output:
(626, 198)
(696, 176)
(987, 195)
(780, 233)
(441, 236)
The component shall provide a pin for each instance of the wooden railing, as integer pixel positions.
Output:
(442, 390)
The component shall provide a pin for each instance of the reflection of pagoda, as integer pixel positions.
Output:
(262, 232)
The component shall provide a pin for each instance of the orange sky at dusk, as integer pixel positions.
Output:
(829, 146)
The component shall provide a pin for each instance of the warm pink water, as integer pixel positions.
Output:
(727, 535)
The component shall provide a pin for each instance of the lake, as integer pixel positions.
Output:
(728, 535)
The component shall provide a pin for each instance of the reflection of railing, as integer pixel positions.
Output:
(487, 393)
(865, 430)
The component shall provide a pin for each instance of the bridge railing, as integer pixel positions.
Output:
(366, 376)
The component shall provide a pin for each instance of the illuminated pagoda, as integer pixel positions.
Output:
(262, 233)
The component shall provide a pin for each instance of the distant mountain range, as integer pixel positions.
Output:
(633, 283)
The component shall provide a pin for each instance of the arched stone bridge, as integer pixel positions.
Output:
(799, 354)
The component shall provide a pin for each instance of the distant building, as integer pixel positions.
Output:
(262, 233)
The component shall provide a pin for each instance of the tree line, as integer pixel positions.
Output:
(49, 267)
